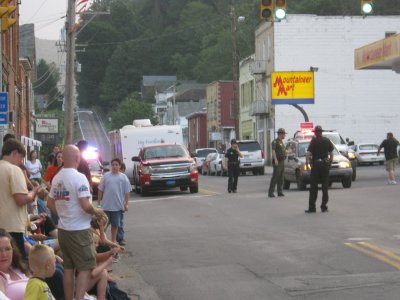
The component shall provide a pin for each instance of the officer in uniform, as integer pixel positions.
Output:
(278, 163)
(232, 157)
(320, 154)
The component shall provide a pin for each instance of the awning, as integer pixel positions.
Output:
(30, 142)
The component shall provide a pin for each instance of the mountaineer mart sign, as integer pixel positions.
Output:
(292, 88)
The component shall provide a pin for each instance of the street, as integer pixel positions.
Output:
(215, 245)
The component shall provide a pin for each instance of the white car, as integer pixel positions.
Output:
(218, 165)
(200, 155)
(366, 153)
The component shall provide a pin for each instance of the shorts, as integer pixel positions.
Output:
(391, 164)
(78, 249)
(114, 217)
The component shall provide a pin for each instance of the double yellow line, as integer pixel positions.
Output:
(381, 254)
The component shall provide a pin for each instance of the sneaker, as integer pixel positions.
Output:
(392, 182)
(122, 242)
(115, 258)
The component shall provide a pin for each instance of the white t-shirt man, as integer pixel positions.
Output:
(67, 187)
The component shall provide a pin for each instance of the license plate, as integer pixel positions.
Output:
(247, 165)
(171, 182)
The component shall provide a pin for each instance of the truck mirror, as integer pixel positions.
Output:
(135, 158)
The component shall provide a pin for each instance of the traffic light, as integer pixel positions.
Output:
(266, 10)
(367, 7)
(5, 12)
(280, 9)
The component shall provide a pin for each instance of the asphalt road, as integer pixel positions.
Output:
(215, 245)
(94, 132)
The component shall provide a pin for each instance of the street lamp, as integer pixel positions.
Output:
(235, 76)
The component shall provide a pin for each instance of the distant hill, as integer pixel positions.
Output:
(47, 50)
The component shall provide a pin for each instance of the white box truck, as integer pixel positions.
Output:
(127, 141)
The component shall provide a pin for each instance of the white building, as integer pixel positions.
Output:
(361, 104)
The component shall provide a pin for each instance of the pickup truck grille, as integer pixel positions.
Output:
(169, 169)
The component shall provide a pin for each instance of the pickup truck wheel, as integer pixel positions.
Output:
(194, 189)
(145, 192)
(137, 188)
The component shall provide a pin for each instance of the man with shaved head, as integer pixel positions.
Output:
(70, 197)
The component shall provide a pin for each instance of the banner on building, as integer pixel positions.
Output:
(46, 125)
(292, 87)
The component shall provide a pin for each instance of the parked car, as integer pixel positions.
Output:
(253, 157)
(218, 165)
(201, 154)
(338, 141)
(164, 166)
(366, 153)
(297, 171)
(205, 168)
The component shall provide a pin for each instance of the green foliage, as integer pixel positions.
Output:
(132, 108)
(48, 76)
(187, 38)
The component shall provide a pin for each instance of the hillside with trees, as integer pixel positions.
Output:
(187, 38)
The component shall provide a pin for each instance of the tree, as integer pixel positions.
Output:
(132, 108)
(46, 84)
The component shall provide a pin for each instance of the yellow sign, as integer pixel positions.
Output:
(292, 88)
(379, 55)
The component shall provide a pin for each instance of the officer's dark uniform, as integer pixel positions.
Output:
(233, 168)
(278, 170)
(320, 148)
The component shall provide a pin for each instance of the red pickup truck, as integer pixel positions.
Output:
(164, 166)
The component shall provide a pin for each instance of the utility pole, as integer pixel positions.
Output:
(235, 71)
(69, 103)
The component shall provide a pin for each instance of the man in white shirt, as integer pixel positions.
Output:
(70, 197)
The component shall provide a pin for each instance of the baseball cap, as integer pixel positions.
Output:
(318, 129)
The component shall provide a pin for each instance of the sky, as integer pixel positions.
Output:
(47, 15)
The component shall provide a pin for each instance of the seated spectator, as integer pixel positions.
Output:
(14, 273)
(42, 262)
(34, 167)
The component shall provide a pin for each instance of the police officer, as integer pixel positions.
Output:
(278, 163)
(320, 153)
(232, 157)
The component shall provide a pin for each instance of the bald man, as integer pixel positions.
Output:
(70, 197)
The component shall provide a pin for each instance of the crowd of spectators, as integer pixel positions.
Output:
(53, 243)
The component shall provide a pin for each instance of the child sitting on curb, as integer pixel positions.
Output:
(42, 262)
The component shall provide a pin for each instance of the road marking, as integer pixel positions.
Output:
(209, 192)
(176, 197)
(359, 239)
(379, 253)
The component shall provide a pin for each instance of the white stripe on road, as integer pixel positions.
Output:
(180, 197)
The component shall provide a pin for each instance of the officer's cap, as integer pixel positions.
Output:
(281, 130)
(318, 129)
